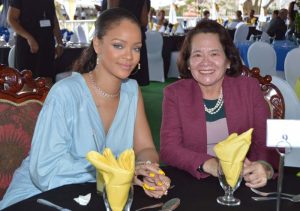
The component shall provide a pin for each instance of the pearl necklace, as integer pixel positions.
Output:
(99, 91)
(217, 107)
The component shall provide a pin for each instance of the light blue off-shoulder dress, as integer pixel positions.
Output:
(64, 135)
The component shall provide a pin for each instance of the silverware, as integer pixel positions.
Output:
(270, 193)
(50, 204)
(170, 205)
(265, 198)
(151, 206)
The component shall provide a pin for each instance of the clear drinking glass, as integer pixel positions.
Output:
(99, 183)
(128, 202)
(228, 199)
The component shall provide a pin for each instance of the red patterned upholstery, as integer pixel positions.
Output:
(21, 99)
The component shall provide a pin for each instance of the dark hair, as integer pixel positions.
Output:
(206, 12)
(209, 26)
(275, 12)
(106, 21)
(238, 13)
(292, 12)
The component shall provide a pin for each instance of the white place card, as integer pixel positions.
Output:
(283, 133)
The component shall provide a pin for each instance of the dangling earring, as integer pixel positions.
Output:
(97, 60)
(136, 70)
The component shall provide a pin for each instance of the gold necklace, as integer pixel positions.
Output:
(99, 91)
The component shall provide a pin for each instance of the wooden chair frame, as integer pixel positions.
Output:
(271, 93)
(20, 86)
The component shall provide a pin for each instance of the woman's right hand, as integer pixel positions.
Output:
(152, 179)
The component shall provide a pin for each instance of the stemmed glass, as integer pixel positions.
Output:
(228, 199)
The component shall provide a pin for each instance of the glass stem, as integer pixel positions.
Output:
(229, 194)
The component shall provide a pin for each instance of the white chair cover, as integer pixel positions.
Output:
(74, 38)
(263, 56)
(232, 25)
(173, 69)
(162, 29)
(292, 66)
(265, 37)
(292, 158)
(179, 29)
(82, 37)
(154, 43)
(291, 101)
(11, 57)
(241, 33)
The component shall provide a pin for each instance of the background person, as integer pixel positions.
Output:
(206, 15)
(98, 104)
(211, 102)
(36, 25)
(277, 27)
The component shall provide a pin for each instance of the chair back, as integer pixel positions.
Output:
(241, 33)
(292, 66)
(173, 69)
(21, 99)
(292, 103)
(82, 36)
(11, 57)
(271, 92)
(263, 56)
(154, 43)
(265, 37)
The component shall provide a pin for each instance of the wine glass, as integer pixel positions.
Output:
(228, 199)
(128, 203)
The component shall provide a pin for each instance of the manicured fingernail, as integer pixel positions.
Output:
(161, 172)
(159, 183)
(151, 175)
(147, 187)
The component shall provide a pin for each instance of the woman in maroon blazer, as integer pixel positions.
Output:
(211, 102)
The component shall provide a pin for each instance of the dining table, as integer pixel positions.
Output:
(194, 195)
(281, 49)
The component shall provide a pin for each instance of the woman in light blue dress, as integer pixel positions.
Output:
(96, 107)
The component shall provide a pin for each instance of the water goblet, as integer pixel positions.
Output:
(128, 203)
(228, 199)
(99, 183)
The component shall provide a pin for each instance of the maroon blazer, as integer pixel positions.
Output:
(183, 137)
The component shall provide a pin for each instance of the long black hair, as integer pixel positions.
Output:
(106, 21)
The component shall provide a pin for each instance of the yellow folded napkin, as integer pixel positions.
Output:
(231, 152)
(117, 174)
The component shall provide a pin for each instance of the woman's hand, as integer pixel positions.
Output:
(211, 167)
(255, 174)
(152, 179)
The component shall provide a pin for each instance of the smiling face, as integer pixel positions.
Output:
(119, 49)
(208, 62)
